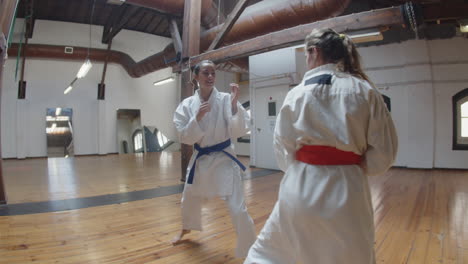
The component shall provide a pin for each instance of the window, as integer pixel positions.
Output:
(464, 119)
(245, 138)
(162, 139)
(387, 102)
(460, 120)
(138, 141)
(271, 108)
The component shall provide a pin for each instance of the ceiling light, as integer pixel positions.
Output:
(84, 69)
(463, 25)
(68, 89)
(54, 125)
(163, 81)
(58, 111)
(366, 35)
(115, 2)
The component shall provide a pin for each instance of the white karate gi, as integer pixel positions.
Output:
(215, 174)
(324, 213)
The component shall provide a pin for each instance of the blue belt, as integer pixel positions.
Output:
(207, 150)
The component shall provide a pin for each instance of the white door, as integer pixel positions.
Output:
(268, 102)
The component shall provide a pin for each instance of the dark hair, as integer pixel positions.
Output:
(202, 63)
(337, 48)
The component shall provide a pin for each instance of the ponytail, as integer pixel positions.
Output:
(339, 49)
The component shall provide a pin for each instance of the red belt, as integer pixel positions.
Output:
(324, 155)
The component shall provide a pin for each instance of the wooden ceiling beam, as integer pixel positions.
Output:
(116, 14)
(296, 35)
(30, 19)
(142, 16)
(444, 11)
(118, 24)
(162, 26)
(231, 19)
(175, 36)
(154, 24)
(7, 12)
(190, 47)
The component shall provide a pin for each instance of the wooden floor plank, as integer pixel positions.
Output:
(421, 216)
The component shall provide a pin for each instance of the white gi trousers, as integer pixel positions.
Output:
(323, 216)
(241, 220)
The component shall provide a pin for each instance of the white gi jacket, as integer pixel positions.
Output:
(324, 213)
(350, 115)
(214, 172)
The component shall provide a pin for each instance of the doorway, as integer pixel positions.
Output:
(268, 102)
(59, 131)
(130, 137)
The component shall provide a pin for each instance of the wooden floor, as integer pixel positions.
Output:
(421, 216)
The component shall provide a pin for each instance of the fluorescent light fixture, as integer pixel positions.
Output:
(68, 89)
(58, 118)
(163, 81)
(54, 125)
(366, 35)
(115, 2)
(58, 111)
(463, 25)
(84, 69)
(66, 156)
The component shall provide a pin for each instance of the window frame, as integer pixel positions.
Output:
(135, 134)
(458, 143)
(245, 138)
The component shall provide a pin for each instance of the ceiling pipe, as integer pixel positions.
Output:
(273, 15)
(209, 11)
(39, 51)
(258, 19)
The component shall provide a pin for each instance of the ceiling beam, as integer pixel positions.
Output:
(116, 14)
(175, 36)
(191, 28)
(30, 19)
(190, 48)
(445, 11)
(7, 12)
(231, 19)
(118, 24)
(296, 35)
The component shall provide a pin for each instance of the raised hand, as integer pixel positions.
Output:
(204, 108)
(234, 97)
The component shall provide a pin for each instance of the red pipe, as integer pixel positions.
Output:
(259, 19)
(209, 10)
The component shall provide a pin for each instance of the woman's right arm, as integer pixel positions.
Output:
(382, 140)
(187, 125)
(284, 142)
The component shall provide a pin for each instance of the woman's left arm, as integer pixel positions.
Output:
(239, 119)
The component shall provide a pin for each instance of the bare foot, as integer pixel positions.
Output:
(179, 237)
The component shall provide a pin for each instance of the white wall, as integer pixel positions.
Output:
(420, 77)
(267, 70)
(124, 134)
(125, 129)
(23, 121)
(402, 72)
(450, 68)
